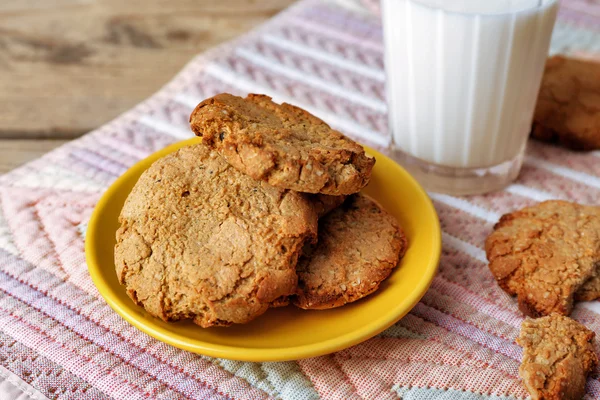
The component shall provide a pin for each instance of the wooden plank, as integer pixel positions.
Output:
(66, 69)
(17, 152)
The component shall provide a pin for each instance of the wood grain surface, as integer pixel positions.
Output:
(14, 152)
(68, 66)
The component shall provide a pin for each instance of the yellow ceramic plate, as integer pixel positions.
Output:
(284, 333)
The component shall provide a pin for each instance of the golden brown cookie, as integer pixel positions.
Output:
(359, 246)
(545, 253)
(568, 105)
(200, 240)
(323, 203)
(590, 289)
(281, 144)
(558, 355)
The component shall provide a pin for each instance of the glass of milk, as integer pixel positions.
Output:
(462, 82)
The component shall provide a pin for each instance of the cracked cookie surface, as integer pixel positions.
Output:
(200, 240)
(568, 105)
(558, 355)
(544, 254)
(359, 245)
(281, 144)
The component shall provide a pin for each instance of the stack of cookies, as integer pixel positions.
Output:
(266, 211)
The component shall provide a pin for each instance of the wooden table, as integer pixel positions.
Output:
(68, 66)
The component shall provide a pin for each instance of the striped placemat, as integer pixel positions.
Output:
(59, 339)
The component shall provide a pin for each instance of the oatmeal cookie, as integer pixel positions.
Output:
(545, 253)
(568, 105)
(281, 144)
(359, 245)
(200, 240)
(558, 355)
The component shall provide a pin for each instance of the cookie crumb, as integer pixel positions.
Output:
(558, 355)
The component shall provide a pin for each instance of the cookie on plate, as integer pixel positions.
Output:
(591, 288)
(281, 144)
(545, 253)
(200, 240)
(359, 245)
(558, 355)
(324, 203)
(568, 105)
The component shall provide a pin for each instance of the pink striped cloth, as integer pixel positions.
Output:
(59, 339)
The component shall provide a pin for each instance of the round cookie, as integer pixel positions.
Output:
(568, 105)
(281, 144)
(200, 240)
(359, 245)
(544, 254)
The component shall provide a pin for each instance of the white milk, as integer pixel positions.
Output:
(463, 76)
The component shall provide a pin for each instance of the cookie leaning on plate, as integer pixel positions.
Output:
(544, 254)
(200, 240)
(281, 144)
(359, 245)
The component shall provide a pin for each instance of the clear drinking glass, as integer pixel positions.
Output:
(462, 82)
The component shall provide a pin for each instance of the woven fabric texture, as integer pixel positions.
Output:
(60, 337)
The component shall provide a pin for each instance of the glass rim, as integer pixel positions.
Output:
(443, 8)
